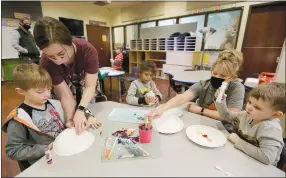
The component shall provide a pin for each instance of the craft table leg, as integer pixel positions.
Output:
(110, 80)
(119, 89)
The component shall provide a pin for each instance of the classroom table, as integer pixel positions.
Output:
(190, 77)
(180, 156)
(113, 73)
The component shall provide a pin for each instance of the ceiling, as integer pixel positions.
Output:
(115, 5)
(112, 4)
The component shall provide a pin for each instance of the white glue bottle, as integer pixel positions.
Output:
(221, 91)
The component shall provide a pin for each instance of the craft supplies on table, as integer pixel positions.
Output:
(123, 146)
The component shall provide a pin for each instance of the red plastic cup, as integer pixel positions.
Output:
(144, 135)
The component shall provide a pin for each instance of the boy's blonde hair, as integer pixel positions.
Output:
(272, 92)
(27, 76)
(229, 62)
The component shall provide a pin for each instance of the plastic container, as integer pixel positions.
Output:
(221, 91)
(144, 135)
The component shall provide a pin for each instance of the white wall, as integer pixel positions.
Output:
(280, 70)
(76, 10)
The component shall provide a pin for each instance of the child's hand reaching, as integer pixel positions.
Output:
(233, 138)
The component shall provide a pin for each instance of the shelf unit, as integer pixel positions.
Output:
(158, 57)
(164, 44)
(155, 49)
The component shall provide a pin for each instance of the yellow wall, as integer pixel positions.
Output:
(173, 9)
(76, 10)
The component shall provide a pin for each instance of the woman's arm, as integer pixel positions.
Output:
(80, 120)
(215, 114)
(89, 90)
(177, 101)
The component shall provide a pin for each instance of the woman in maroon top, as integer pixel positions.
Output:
(73, 66)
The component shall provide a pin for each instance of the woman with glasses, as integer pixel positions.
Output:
(73, 66)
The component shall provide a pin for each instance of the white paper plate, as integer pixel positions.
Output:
(168, 124)
(69, 143)
(206, 136)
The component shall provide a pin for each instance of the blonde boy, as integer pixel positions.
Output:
(34, 124)
(258, 132)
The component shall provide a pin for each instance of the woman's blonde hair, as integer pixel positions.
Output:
(229, 62)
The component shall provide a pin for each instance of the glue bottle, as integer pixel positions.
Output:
(221, 91)
(48, 156)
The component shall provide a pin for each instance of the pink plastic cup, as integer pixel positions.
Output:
(145, 135)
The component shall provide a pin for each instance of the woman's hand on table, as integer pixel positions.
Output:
(93, 123)
(79, 121)
(194, 108)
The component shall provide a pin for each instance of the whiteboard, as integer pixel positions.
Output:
(8, 51)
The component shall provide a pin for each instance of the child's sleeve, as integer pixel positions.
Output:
(17, 145)
(225, 113)
(156, 91)
(131, 96)
(270, 142)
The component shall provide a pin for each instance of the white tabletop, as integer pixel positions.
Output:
(180, 156)
(191, 77)
(111, 72)
(251, 82)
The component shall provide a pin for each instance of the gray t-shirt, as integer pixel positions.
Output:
(205, 93)
(137, 90)
(47, 120)
(262, 141)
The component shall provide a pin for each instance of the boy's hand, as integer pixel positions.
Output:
(112, 61)
(93, 123)
(233, 138)
(194, 108)
(156, 100)
(217, 92)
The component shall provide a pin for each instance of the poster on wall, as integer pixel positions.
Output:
(226, 25)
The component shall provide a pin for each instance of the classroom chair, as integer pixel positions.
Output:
(133, 75)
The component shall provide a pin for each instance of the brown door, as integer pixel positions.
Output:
(265, 34)
(99, 37)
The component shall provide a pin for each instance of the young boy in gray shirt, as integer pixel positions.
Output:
(139, 88)
(258, 132)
